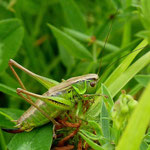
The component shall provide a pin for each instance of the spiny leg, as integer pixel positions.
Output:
(63, 103)
(48, 83)
(28, 99)
(60, 102)
(11, 63)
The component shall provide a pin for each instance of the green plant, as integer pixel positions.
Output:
(77, 49)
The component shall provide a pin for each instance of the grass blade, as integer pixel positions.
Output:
(71, 45)
(124, 65)
(86, 38)
(8, 90)
(143, 79)
(91, 143)
(73, 15)
(131, 139)
(105, 122)
(129, 74)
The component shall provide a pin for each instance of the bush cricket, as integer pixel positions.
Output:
(60, 97)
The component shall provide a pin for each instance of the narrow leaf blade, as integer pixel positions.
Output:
(73, 15)
(131, 139)
(75, 48)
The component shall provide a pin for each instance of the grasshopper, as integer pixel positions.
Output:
(59, 98)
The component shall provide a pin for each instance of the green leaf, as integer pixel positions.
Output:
(7, 115)
(71, 45)
(8, 90)
(143, 34)
(109, 101)
(38, 139)
(124, 78)
(105, 122)
(121, 81)
(146, 13)
(91, 143)
(131, 139)
(66, 58)
(11, 35)
(143, 79)
(97, 129)
(3, 145)
(90, 135)
(73, 15)
(148, 148)
(124, 65)
(86, 38)
(143, 145)
(9, 80)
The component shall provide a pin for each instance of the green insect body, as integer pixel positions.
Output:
(58, 99)
(67, 90)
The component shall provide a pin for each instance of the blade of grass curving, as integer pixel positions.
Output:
(73, 15)
(90, 135)
(131, 45)
(105, 122)
(143, 79)
(66, 59)
(126, 34)
(121, 81)
(91, 143)
(8, 80)
(124, 65)
(135, 130)
(135, 89)
(8, 90)
(75, 48)
(86, 38)
(109, 99)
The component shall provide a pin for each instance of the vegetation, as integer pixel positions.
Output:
(60, 39)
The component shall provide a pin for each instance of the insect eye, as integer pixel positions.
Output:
(92, 84)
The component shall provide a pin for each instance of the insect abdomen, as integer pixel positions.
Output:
(33, 118)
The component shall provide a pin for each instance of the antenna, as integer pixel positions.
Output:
(110, 28)
(120, 59)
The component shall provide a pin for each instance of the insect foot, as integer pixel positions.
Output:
(19, 90)
(11, 61)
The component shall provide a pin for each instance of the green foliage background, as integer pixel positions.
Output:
(64, 38)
